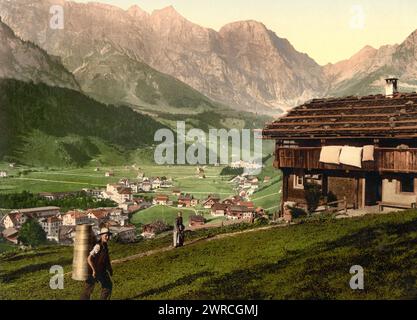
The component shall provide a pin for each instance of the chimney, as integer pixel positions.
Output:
(391, 87)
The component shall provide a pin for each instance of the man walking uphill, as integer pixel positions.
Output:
(100, 268)
(179, 231)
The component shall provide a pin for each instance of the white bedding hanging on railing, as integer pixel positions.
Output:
(330, 154)
(368, 153)
(351, 156)
(347, 155)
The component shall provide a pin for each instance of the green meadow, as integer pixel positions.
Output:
(168, 214)
(161, 213)
(268, 197)
(4, 247)
(57, 179)
(311, 260)
(38, 179)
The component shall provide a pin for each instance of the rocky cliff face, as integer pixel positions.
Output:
(25, 61)
(404, 60)
(244, 65)
(267, 68)
(364, 73)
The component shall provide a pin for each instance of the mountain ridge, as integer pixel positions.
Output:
(171, 44)
(47, 122)
(244, 64)
(26, 61)
(364, 72)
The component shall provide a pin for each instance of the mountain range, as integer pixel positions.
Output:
(145, 60)
(364, 73)
(25, 61)
(46, 119)
(244, 65)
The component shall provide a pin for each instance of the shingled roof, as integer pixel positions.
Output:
(374, 116)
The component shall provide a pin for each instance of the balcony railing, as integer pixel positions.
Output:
(386, 160)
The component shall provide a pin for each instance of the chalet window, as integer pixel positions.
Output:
(314, 178)
(298, 182)
(407, 185)
(290, 144)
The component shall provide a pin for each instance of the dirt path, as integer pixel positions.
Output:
(269, 209)
(58, 181)
(192, 242)
(197, 192)
(267, 196)
(189, 243)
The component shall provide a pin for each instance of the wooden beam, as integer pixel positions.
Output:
(325, 184)
(375, 115)
(339, 137)
(343, 129)
(325, 102)
(376, 149)
(285, 185)
(304, 124)
(350, 108)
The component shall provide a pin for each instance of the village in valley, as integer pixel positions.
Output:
(330, 200)
(142, 202)
(219, 152)
(138, 202)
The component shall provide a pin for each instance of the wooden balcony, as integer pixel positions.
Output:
(386, 160)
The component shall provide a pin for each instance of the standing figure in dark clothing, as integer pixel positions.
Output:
(179, 231)
(100, 268)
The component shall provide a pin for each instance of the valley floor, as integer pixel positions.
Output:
(310, 260)
(58, 180)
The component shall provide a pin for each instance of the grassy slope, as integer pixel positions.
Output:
(4, 247)
(22, 271)
(168, 215)
(40, 179)
(40, 149)
(269, 197)
(49, 126)
(55, 126)
(308, 261)
(163, 213)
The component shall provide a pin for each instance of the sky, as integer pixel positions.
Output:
(327, 30)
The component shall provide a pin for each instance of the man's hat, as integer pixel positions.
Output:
(104, 231)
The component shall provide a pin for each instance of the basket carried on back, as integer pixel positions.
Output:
(82, 246)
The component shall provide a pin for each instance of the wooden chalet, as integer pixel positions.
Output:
(312, 139)
(152, 229)
(186, 200)
(210, 201)
(196, 221)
